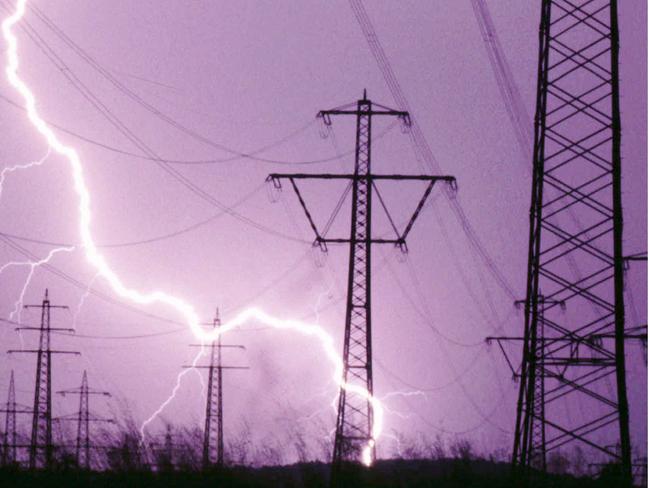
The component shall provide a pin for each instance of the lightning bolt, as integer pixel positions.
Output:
(32, 268)
(99, 263)
(408, 393)
(16, 313)
(397, 413)
(326, 293)
(82, 301)
(17, 167)
(171, 397)
(32, 264)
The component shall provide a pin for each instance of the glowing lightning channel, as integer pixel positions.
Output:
(97, 260)
(18, 167)
(82, 300)
(16, 314)
(32, 268)
(171, 397)
(408, 393)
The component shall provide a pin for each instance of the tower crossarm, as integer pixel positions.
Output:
(215, 367)
(74, 417)
(386, 111)
(52, 329)
(37, 351)
(79, 391)
(400, 236)
(16, 409)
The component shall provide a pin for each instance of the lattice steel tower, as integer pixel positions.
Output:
(213, 431)
(574, 334)
(84, 417)
(83, 425)
(10, 437)
(355, 436)
(213, 446)
(11, 409)
(41, 449)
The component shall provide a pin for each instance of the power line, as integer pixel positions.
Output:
(426, 316)
(485, 420)
(194, 162)
(428, 389)
(420, 143)
(89, 336)
(272, 283)
(149, 240)
(89, 59)
(133, 138)
(74, 282)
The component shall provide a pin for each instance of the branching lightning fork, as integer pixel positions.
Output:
(18, 167)
(15, 314)
(98, 261)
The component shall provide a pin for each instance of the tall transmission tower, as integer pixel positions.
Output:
(84, 417)
(355, 435)
(10, 440)
(574, 333)
(41, 447)
(213, 448)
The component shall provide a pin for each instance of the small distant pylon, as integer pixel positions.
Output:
(169, 445)
(165, 459)
(213, 448)
(83, 418)
(9, 444)
(41, 448)
(10, 440)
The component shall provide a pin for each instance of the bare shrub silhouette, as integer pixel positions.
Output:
(172, 456)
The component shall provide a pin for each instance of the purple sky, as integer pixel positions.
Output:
(246, 75)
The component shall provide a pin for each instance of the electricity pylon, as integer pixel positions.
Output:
(575, 247)
(536, 379)
(213, 448)
(41, 447)
(165, 454)
(11, 409)
(9, 441)
(83, 417)
(169, 447)
(355, 434)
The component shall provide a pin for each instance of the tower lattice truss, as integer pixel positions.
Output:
(573, 372)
